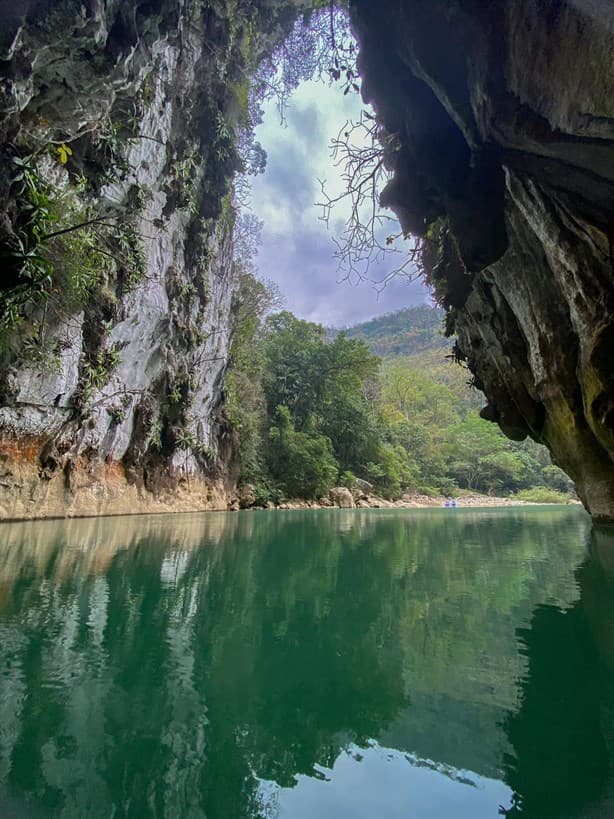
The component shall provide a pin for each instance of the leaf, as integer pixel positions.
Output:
(64, 152)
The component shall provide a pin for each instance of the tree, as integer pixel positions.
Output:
(480, 457)
(245, 398)
(302, 462)
(294, 355)
(328, 386)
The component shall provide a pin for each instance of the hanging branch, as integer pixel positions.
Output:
(370, 234)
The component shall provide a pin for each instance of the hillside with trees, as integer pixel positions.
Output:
(403, 332)
(315, 409)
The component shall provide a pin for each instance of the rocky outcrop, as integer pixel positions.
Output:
(120, 130)
(341, 497)
(503, 161)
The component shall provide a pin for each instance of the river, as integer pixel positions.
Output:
(424, 664)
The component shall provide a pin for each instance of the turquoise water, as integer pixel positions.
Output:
(328, 664)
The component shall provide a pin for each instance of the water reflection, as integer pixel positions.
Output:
(229, 665)
(563, 733)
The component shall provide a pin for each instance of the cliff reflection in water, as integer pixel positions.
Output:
(562, 736)
(171, 666)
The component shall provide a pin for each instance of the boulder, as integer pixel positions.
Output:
(342, 497)
(363, 486)
(361, 490)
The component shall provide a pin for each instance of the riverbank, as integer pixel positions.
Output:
(411, 500)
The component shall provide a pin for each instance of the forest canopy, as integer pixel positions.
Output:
(316, 408)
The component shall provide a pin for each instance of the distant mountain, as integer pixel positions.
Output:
(410, 331)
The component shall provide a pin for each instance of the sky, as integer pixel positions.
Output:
(297, 251)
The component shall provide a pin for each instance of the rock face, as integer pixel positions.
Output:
(501, 118)
(120, 118)
(341, 497)
(124, 115)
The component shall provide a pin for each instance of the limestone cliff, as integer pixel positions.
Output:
(504, 120)
(119, 132)
(118, 141)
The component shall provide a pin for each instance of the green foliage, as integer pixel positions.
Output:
(479, 457)
(97, 371)
(347, 479)
(432, 411)
(154, 431)
(330, 389)
(333, 408)
(112, 142)
(245, 400)
(293, 352)
(117, 414)
(180, 393)
(403, 332)
(541, 494)
(187, 172)
(186, 440)
(303, 463)
(63, 252)
(555, 479)
(262, 495)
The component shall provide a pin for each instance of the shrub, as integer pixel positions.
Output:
(541, 494)
(347, 479)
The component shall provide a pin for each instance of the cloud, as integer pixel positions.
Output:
(290, 184)
(309, 280)
(297, 249)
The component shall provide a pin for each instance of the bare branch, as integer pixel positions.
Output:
(370, 235)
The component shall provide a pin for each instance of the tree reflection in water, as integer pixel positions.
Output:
(167, 667)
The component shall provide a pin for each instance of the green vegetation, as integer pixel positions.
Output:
(542, 494)
(307, 409)
(64, 250)
(313, 411)
(303, 462)
(404, 332)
